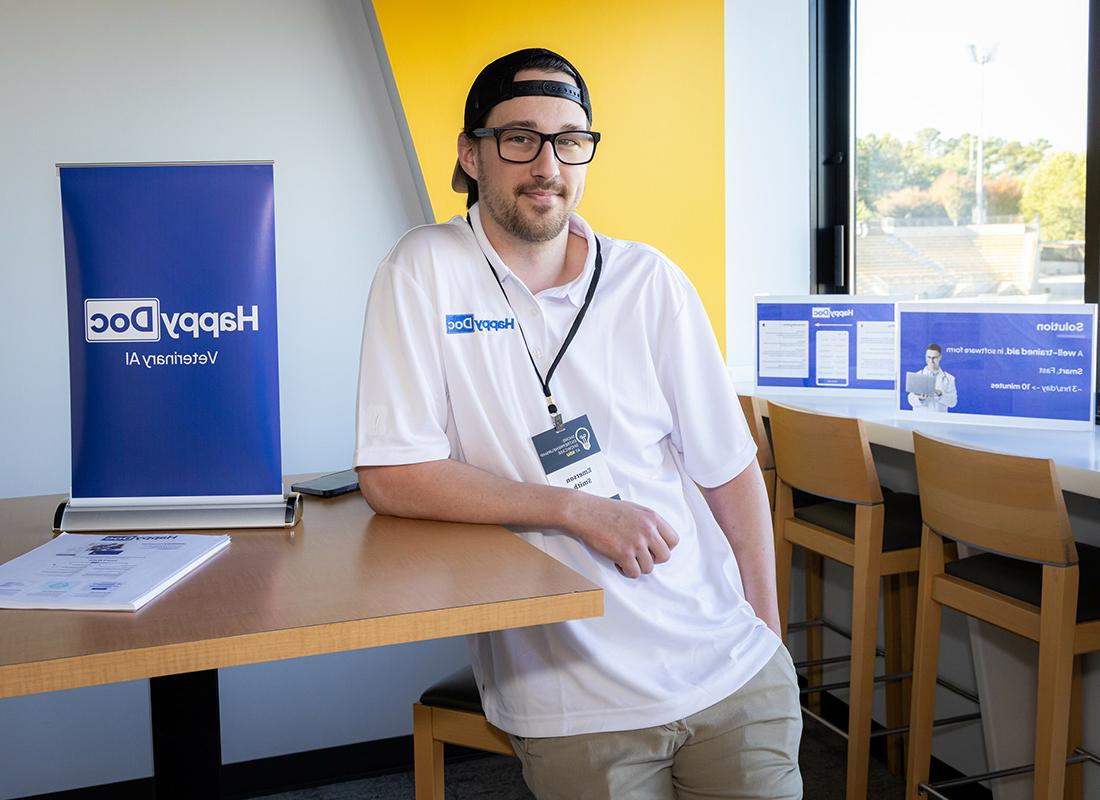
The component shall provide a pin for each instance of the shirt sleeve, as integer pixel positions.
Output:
(950, 396)
(709, 427)
(401, 415)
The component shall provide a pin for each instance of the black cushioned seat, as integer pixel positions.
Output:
(802, 498)
(1023, 580)
(457, 691)
(902, 525)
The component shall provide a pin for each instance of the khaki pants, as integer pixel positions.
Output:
(745, 747)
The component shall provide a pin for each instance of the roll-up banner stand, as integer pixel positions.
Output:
(173, 347)
(825, 345)
(1017, 365)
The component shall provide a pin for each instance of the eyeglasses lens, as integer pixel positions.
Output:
(572, 147)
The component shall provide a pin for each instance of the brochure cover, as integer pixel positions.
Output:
(112, 572)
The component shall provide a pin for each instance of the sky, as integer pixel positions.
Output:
(913, 68)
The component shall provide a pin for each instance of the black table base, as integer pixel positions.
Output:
(187, 741)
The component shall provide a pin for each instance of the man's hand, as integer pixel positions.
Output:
(634, 537)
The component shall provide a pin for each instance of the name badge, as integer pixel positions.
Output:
(572, 459)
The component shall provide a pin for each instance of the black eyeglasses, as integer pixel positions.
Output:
(522, 145)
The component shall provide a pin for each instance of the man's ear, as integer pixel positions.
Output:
(467, 157)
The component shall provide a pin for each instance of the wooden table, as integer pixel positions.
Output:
(342, 579)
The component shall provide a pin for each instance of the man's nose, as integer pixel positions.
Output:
(545, 164)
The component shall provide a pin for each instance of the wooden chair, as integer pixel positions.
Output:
(753, 416)
(876, 533)
(1034, 580)
(450, 713)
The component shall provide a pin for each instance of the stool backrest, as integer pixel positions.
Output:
(1012, 505)
(759, 432)
(823, 454)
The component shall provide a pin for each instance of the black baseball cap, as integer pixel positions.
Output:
(497, 83)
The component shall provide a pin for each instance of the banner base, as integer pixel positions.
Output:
(284, 513)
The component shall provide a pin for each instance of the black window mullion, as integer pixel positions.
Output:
(1092, 173)
(830, 142)
(1092, 163)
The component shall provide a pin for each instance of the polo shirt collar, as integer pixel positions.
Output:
(575, 290)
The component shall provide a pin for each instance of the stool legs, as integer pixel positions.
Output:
(925, 665)
(1074, 786)
(427, 756)
(898, 624)
(784, 552)
(865, 589)
(1052, 720)
(908, 648)
(814, 565)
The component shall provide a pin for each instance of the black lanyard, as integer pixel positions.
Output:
(555, 415)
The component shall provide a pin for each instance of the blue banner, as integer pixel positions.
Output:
(173, 347)
(1026, 363)
(825, 342)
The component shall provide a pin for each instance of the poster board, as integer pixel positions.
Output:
(825, 344)
(173, 344)
(1019, 365)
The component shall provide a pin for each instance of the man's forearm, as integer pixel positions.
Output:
(741, 508)
(631, 536)
(456, 492)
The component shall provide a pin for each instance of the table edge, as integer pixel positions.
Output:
(255, 648)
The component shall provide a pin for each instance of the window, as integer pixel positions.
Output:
(970, 149)
(952, 137)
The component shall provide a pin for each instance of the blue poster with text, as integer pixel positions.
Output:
(1025, 363)
(825, 343)
(173, 347)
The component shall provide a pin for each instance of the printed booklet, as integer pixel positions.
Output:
(103, 572)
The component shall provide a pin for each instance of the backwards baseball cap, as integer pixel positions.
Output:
(497, 83)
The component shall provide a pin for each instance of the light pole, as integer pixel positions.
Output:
(980, 56)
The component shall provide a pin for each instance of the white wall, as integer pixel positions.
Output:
(767, 162)
(294, 81)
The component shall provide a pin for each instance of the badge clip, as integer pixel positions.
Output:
(555, 415)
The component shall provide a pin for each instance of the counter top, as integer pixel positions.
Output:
(1076, 454)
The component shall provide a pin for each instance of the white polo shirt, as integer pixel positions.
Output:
(645, 367)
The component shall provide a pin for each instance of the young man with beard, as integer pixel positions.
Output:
(519, 369)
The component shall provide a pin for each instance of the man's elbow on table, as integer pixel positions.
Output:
(378, 487)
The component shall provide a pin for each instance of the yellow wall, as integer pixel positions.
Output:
(654, 70)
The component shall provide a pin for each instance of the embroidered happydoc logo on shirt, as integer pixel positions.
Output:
(468, 323)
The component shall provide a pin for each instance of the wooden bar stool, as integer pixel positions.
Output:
(450, 712)
(1034, 581)
(753, 416)
(877, 533)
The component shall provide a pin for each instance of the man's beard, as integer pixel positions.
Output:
(542, 224)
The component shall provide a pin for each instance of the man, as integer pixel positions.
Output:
(943, 395)
(519, 369)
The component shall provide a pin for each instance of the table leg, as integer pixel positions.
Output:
(187, 746)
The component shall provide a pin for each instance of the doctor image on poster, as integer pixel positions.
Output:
(944, 395)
